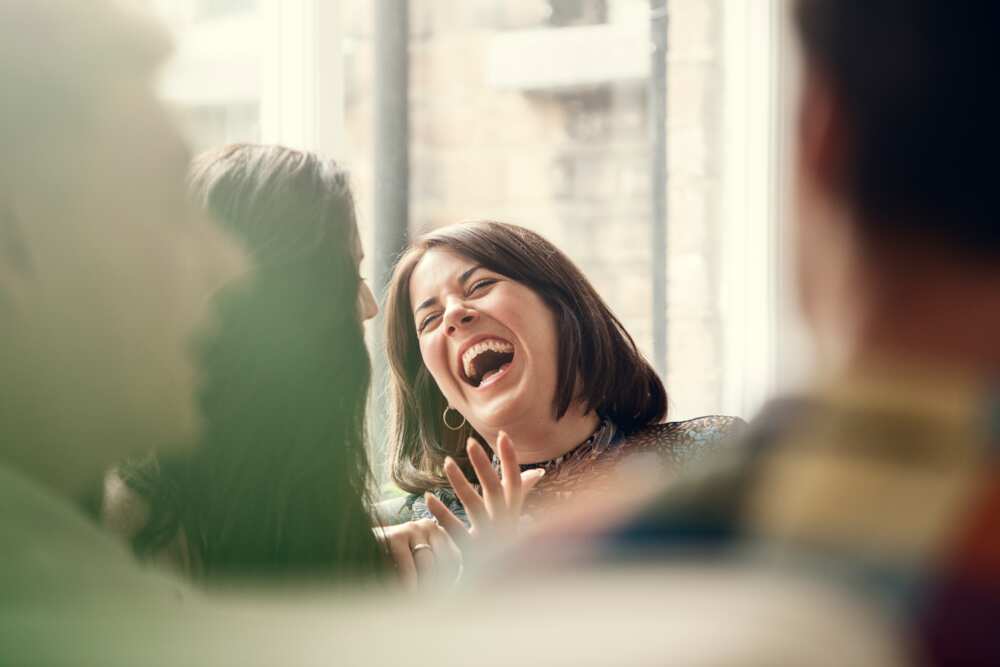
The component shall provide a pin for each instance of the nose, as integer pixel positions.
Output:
(457, 315)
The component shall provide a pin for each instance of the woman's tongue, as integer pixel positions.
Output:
(489, 374)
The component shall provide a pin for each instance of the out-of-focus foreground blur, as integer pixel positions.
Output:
(656, 142)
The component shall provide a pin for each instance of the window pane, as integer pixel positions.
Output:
(535, 112)
(213, 78)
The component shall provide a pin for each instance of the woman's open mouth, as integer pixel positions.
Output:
(485, 361)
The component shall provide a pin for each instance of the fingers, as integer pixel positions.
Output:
(499, 507)
(426, 565)
(473, 503)
(425, 556)
(447, 520)
(493, 492)
(528, 479)
(423, 552)
(447, 554)
(510, 470)
(399, 548)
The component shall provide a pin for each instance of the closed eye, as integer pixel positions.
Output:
(480, 285)
(474, 289)
(427, 321)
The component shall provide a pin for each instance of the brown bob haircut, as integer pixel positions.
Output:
(598, 363)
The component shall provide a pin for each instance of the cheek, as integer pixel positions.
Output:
(537, 326)
(549, 352)
(433, 352)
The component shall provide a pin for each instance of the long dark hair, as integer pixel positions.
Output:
(280, 482)
(599, 364)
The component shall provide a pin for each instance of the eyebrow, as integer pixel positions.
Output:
(462, 279)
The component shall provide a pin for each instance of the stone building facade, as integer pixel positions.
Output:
(569, 156)
(528, 111)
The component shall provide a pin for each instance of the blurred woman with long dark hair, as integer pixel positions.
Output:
(280, 483)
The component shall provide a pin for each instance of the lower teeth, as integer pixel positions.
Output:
(490, 374)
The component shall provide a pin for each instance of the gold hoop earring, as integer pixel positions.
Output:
(444, 418)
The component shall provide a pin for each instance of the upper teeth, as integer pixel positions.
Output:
(494, 344)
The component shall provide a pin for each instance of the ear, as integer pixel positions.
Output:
(823, 136)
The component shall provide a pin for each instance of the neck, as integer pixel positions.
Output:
(538, 440)
(929, 313)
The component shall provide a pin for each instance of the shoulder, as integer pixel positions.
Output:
(683, 441)
(394, 510)
(123, 510)
(419, 510)
(711, 428)
(706, 504)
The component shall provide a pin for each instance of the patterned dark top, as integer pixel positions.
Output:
(671, 446)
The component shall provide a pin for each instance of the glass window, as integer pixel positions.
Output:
(536, 112)
(213, 79)
(208, 9)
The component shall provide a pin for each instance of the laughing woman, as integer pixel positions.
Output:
(497, 342)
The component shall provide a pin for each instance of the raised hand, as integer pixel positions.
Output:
(494, 515)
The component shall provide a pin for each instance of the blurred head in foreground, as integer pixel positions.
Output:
(104, 267)
(882, 479)
(278, 482)
(898, 239)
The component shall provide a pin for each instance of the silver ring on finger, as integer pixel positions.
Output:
(418, 547)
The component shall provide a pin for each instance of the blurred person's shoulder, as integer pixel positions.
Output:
(719, 457)
(816, 467)
(677, 613)
(886, 484)
(53, 552)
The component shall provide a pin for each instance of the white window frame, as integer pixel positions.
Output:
(287, 56)
(763, 338)
(302, 76)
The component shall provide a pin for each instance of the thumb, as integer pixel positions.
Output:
(530, 478)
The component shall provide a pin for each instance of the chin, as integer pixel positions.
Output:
(500, 415)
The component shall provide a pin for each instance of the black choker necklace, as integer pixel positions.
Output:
(596, 442)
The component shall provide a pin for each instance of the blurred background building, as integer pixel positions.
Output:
(538, 112)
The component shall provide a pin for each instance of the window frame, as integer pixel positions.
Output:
(764, 340)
